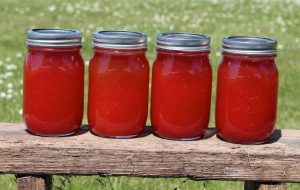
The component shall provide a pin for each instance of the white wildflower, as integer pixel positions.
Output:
(106, 9)
(10, 85)
(185, 18)
(116, 14)
(11, 67)
(2, 94)
(19, 55)
(69, 8)
(7, 74)
(9, 96)
(8, 59)
(215, 1)
(52, 8)
(280, 20)
(77, 5)
(9, 91)
(91, 26)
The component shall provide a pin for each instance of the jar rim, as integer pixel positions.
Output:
(54, 37)
(119, 39)
(249, 45)
(181, 41)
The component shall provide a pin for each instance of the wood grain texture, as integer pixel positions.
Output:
(255, 185)
(29, 182)
(210, 158)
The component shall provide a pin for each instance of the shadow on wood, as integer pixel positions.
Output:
(275, 136)
(34, 182)
(256, 185)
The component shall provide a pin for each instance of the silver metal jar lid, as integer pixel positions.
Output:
(249, 45)
(53, 37)
(119, 39)
(183, 42)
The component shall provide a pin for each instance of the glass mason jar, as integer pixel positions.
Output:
(181, 86)
(247, 89)
(118, 84)
(53, 82)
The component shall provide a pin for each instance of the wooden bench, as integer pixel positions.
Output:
(34, 159)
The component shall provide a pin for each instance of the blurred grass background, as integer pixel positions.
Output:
(217, 18)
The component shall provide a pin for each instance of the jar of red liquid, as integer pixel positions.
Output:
(53, 82)
(247, 90)
(181, 86)
(118, 84)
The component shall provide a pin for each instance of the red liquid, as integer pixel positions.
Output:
(181, 93)
(53, 90)
(118, 92)
(246, 98)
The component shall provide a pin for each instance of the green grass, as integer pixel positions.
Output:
(277, 19)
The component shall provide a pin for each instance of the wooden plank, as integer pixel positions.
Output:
(256, 185)
(210, 158)
(29, 182)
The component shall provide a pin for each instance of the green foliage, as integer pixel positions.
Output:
(277, 19)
